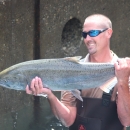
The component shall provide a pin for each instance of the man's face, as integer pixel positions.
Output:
(95, 44)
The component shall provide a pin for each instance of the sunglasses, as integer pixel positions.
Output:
(93, 33)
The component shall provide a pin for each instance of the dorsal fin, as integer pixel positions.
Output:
(75, 59)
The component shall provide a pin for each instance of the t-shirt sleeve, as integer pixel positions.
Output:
(68, 99)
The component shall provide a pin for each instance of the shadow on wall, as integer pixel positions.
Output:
(71, 37)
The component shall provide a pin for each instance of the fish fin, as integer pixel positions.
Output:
(110, 84)
(76, 93)
(75, 59)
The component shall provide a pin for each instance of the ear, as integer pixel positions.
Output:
(110, 31)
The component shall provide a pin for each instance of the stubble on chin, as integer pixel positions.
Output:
(91, 51)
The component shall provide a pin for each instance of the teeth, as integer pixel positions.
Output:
(91, 44)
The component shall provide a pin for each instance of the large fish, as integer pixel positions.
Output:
(58, 74)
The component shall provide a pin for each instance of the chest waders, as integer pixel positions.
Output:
(97, 114)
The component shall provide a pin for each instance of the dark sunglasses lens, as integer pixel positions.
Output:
(84, 34)
(94, 33)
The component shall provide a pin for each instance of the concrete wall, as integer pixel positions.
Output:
(60, 36)
(16, 45)
(56, 14)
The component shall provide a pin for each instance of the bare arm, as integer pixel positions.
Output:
(64, 113)
(123, 101)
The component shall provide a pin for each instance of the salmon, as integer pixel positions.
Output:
(58, 74)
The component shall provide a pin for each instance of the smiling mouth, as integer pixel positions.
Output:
(89, 45)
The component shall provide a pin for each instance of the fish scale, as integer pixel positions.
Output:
(58, 74)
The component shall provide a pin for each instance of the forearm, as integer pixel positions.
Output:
(123, 103)
(65, 114)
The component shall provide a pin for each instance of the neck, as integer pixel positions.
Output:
(101, 57)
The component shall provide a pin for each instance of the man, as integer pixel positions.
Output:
(99, 110)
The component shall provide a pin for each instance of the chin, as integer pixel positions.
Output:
(91, 52)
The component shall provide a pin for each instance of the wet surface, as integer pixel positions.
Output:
(29, 116)
(51, 31)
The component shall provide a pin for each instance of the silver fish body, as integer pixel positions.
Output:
(57, 74)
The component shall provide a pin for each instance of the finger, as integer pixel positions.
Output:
(128, 61)
(116, 65)
(43, 90)
(36, 85)
(122, 63)
(32, 88)
(40, 83)
(127, 58)
(28, 91)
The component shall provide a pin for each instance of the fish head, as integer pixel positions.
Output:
(13, 81)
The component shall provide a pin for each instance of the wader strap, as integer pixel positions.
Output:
(106, 98)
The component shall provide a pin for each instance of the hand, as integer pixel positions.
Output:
(122, 69)
(36, 87)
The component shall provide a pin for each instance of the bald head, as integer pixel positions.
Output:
(99, 19)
